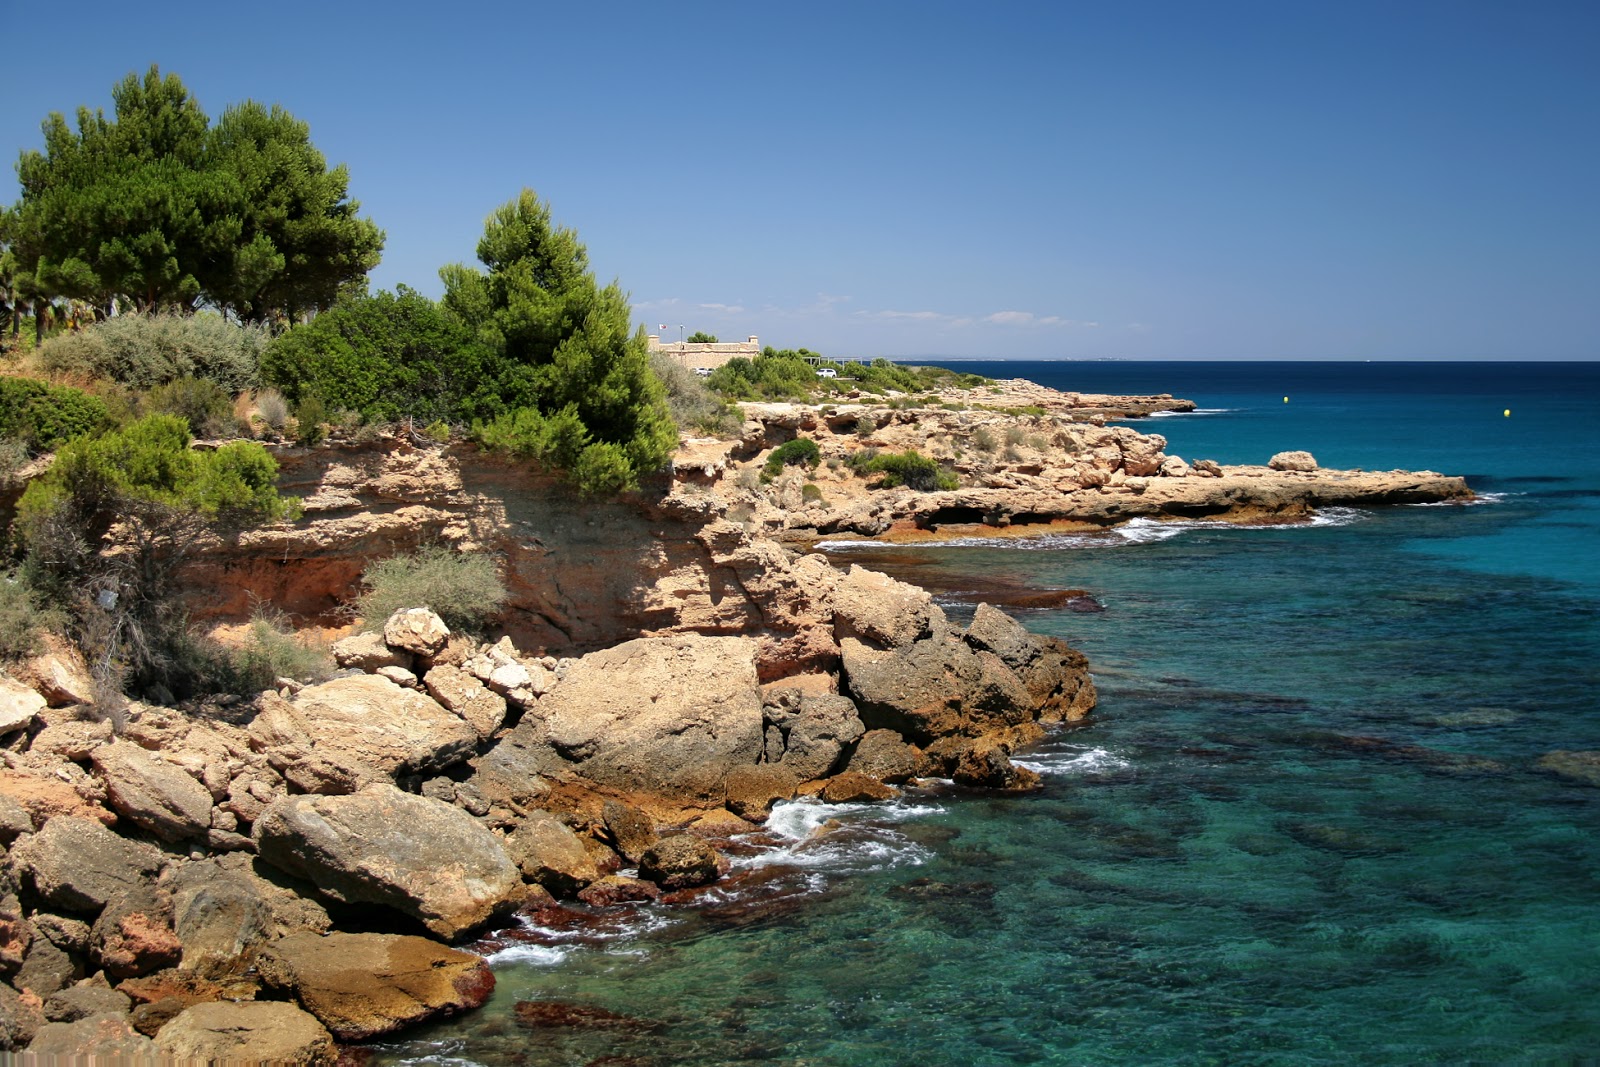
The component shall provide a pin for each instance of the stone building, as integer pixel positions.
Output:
(710, 357)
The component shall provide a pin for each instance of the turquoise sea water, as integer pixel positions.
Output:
(1305, 826)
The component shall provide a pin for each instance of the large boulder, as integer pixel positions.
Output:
(751, 791)
(417, 631)
(680, 862)
(79, 865)
(666, 715)
(152, 793)
(422, 857)
(133, 934)
(548, 853)
(247, 1032)
(103, 1038)
(482, 708)
(882, 611)
(223, 914)
(807, 733)
(884, 754)
(629, 829)
(350, 732)
(1293, 461)
(19, 705)
(364, 985)
(58, 673)
(44, 797)
(934, 688)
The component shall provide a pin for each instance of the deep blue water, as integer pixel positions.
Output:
(1305, 826)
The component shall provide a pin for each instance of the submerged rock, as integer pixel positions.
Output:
(1580, 767)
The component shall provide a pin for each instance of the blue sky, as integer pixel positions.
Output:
(1146, 180)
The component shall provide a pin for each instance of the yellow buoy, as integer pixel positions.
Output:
(1285, 400)
(1508, 413)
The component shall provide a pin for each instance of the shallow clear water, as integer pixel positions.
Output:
(1304, 827)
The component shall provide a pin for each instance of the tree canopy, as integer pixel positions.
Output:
(575, 380)
(157, 207)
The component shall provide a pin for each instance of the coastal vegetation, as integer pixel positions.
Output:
(464, 589)
(792, 374)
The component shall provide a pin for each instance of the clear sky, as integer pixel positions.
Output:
(1256, 180)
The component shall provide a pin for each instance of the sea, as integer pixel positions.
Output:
(1308, 823)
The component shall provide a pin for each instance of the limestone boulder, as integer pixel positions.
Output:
(20, 705)
(884, 755)
(852, 787)
(368, 653)
(548, 853)
(1058, 681)
(751, 791)
(79, 865)
(992, 630)
(58, 673)
(1292, 461)
(421, 857)
(417, 631)
(71, 733)
(882, 611)
(247, 1032)
(630, 830)
(103, 1038)
(361, 986)
(224, 914)
(83, 1000)
(350, 732)
(934, 688)
(813, 731)
(457, 691)
(152, 793)
(680, 862)
(667, 715)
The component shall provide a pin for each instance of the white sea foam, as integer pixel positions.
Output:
(1073, 762)
(1481, 498)
(529, 955)
(1184, 414)
(813, 834)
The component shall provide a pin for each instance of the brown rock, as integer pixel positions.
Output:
(881, 611)
(549, 854)
(253, 1032)
(152, 793)
(630, 829)
(884, 755)
(81, 1001)
(1292, 461)
(751, 790)
(364, 985)
(134, 935)
(103, 1038)
(19, 705)
(417, 631)
(458, 691)
(986, 763)
(58, 673)
(616, 889)
(680, 862)
(21, 1016)
(419, 856)
(812, 731)
(79, 865)
(852, 787)
(369, 653)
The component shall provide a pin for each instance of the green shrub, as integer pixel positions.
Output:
(273, 409)
(205, 405)
(866, 426)
(310, 420)
(143, 351)
(983, 440)
(811, 491)
(271, 650)
(464, 589)
(913, 470)
(802, 451)
(43, 416)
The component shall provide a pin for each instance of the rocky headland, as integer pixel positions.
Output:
(267, 879)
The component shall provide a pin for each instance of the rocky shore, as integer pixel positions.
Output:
(271, 879)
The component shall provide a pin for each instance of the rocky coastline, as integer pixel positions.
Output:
(276, 878)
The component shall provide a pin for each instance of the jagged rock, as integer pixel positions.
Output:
(159, 997)
(1173, 467)
(134, 935)
(350, 732)
(103, 1038)
(1292, 461)
(368, 653)
(63, 931)
(79, 865)
(667, 715)
(421, 857)
(1206, 468)
(399, 676)
(16, 934)
(883, 754)
(364, 985)
(58, 673)
(83, 1000)
(253, 1031)
(631, 829)
(881, 611)
(750, 791)
(813, 731)
(986, 763)
(19, 705)
(934, 688)
(469, 698)
(151, 793)
(992, 630)
(680, 862)
(14, 820)
(417, 631)
(47, 968)
(548, 853)
(616, 889)
(21, 1016)
(223, 915)
(71, 733)
(852, 787)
